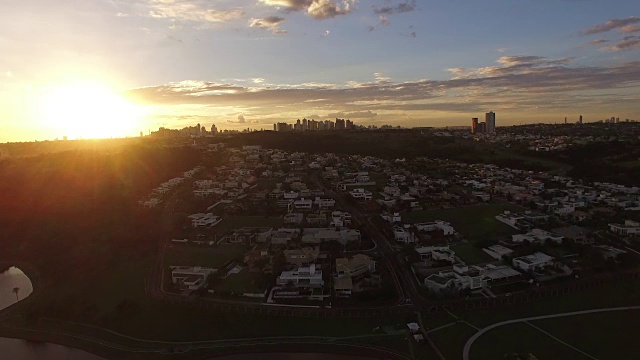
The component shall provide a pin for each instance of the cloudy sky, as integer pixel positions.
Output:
(249, 63)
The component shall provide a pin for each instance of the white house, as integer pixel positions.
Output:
(294, 218)
(458, 279)
(301, 257)
(189, 277)
(537, 235)
(203, 184)
(497, 251)
(446, 228)
(303, 204)
(202, 219)
(302, 277)
(533, 262)
(391, 190)
(629, 227)
(361, 194)
(403, 235)
(510, 219)
(290, 195)
(436, 253)
(151, 203)
(392, 218)
(324, 203)
(203, 192)
(340, 219)
(358, 265)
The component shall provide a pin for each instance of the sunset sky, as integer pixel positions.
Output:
(101, 68)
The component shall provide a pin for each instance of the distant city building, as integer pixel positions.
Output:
(482, 127)
(580, 121)
(315, 125)
(474, 125)
(490, 121)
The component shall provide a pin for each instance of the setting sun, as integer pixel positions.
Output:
(88, 111)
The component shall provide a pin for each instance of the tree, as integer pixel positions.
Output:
(16, 290)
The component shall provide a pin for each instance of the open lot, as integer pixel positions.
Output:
(602, 335)
(181, 255)
(237, 222)
(471, 254)
(521, 338)
(594, 334)
(243, 282)
(475, 222)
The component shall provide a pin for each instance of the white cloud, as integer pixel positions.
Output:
(271, 23)
(317, 9)
(198, 11)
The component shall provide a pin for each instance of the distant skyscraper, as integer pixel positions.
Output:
(565, 120)
(214, 129)
(580, 121)
(490, 120)
(474, 125)
(482, 127)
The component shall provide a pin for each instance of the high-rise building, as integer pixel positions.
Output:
(482, 127)
(490, 120)
(474, 125)
(340, 124)
(214, 129)
(565, 120)
(580, 121)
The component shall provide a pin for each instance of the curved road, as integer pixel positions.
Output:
(467, 346)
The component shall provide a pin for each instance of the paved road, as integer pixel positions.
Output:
(467, 346)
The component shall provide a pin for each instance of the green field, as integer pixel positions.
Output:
(476, 222)
(594, 334)
(471, 254)
(521, 338)
(180, 255)
(604, 336)
(243, 282)
(450, 340)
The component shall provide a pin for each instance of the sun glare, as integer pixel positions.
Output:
(87, 111)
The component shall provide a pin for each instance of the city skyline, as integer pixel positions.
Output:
(140, 65)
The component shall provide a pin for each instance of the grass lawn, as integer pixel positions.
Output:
(475, 222)
(604, 336)
(237, 222)
(521, 338)
(179, 255)
(450, 340)
(242, 282)
(615, 294)
(471, 255)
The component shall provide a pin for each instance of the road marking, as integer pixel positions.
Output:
(628, 248)
(560, 341)
(441, 327)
